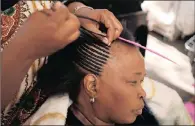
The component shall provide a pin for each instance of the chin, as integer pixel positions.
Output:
(128, 120)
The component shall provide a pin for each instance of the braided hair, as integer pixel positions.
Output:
(66, 68)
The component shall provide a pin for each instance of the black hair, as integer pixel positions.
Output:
(66, 68)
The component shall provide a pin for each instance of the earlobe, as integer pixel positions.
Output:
(90, 85)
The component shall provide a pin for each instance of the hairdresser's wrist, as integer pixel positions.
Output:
(72, 6)
(87, 12)
(80, 9)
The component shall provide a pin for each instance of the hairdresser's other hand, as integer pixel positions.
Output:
(48, 31)
(106, 17)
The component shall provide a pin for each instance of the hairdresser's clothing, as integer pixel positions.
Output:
(116, 6)
(168, 110)
(28, 98)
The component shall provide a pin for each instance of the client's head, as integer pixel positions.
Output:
(107, 79)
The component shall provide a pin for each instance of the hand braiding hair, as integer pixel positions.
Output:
(66, 68)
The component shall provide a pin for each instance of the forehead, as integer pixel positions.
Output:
(125, 60)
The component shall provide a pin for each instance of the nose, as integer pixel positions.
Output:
(142, 93)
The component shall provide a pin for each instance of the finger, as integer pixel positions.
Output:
(69, 27)
(118, 26)
(96, 30)
(109, 25)
(47, 12)
(60, 14)
(73, 37)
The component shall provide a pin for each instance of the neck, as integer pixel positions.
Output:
(86, 109)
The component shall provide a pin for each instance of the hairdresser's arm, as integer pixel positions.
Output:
(15, 64)
(106, 17)
(29, 44)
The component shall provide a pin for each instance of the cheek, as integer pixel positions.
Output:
(124, 102)
(125, 98)
(119, 100)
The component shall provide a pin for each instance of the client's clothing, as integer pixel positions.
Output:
(29, 98)
(167, 110)
(76, 118)
(72, 119)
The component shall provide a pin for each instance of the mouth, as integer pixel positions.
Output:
(139, 111)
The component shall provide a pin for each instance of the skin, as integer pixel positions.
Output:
(59, 29)
(32, 42)
(118, 92)
(102, 15)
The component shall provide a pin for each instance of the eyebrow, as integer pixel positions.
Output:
(139, 73)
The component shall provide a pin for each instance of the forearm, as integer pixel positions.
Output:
(15, 64)
(83, 11)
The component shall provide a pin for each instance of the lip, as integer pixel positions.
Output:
(139, 111)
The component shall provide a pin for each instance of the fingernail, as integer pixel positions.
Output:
(105, 40)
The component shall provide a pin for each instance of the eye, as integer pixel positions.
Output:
(132, 82)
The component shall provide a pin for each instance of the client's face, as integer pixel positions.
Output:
(119, 97)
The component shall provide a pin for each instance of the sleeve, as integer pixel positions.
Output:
(7, 4)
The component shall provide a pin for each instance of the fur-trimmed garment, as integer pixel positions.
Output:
(167, 110)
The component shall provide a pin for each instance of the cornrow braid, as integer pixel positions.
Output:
(66, 68)
(91, 54)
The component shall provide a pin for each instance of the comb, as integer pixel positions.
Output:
(122, 39)
(137, 45)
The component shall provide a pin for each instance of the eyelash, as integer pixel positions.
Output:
(135, 82)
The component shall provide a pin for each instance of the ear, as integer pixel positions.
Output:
(91, 85)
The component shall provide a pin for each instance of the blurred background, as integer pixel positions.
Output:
(172, 30)
(171, 26)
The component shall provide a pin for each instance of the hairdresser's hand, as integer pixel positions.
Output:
(106, 17)
(48, 31)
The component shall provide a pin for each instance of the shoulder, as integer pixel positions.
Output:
(52, 112)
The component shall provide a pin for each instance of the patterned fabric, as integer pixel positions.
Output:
(11, 19)
(29, 98)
